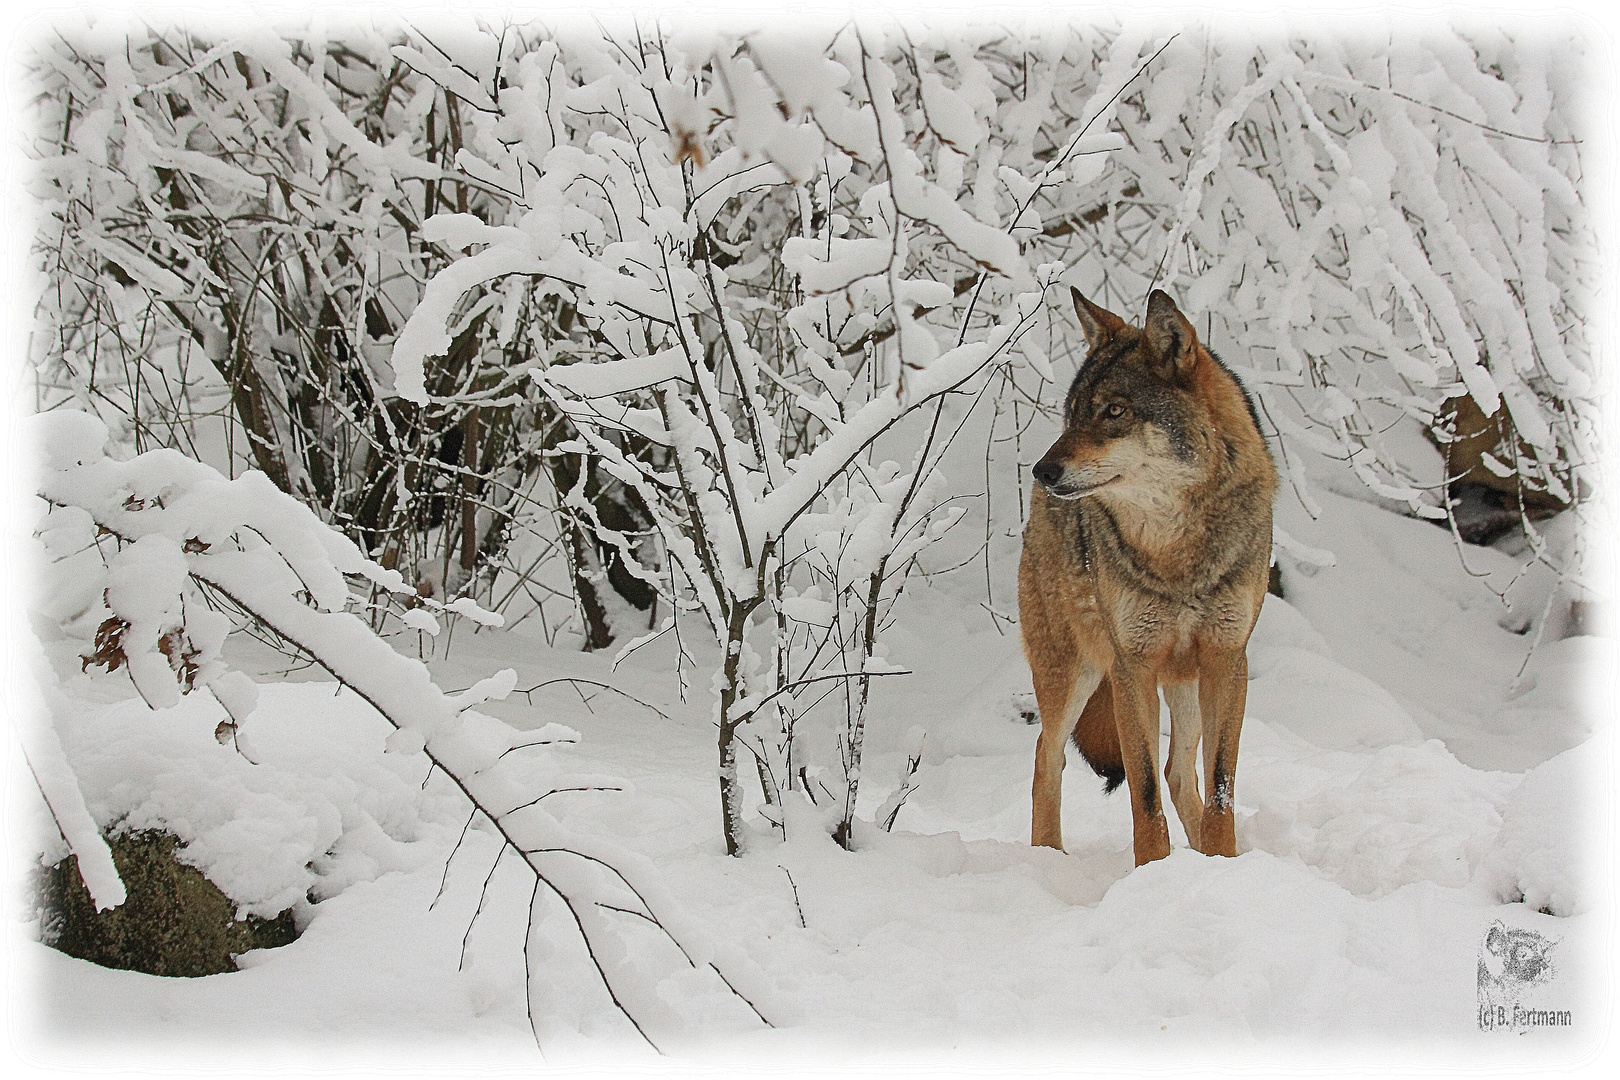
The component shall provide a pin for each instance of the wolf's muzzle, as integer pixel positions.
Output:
(1061, 482)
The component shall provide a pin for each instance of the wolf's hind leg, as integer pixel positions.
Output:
(1181, 767)
(1060, 695)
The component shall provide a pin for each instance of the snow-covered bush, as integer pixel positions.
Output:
(151, 558)
(231, 232)
(779, 246)
(1382, 224)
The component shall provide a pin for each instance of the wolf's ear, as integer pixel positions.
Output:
(1169, 335)
(1099, 324)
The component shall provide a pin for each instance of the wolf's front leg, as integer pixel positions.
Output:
(1181, 770)
(1136, 712)
(1223, 690)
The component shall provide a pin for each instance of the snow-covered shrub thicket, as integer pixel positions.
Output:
(699, 313)
(778, 246)
(231, 233)
(1383, 224)
(150, 560)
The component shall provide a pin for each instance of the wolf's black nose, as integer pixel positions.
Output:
(1048, 472)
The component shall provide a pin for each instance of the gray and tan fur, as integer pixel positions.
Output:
(1145, 563)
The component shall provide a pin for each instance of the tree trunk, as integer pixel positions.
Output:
(844, 834)
(469, 494)
(730, 784)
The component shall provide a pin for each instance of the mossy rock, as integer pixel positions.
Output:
(174, 921)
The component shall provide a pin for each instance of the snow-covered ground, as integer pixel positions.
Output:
(1397, 795)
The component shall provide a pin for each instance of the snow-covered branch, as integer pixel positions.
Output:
(178, 529)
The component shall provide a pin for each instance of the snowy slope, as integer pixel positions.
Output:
(1395, 797)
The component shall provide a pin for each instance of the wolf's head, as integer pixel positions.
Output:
(1138, 419)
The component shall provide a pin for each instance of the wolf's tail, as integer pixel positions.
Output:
(1098, 738)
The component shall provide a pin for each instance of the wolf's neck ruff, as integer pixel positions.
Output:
(1163, 575)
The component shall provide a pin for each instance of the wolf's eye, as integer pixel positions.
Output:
(1113, 410)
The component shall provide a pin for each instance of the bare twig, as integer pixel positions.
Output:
(796, 906)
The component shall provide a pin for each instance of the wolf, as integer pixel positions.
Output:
(1145, 562)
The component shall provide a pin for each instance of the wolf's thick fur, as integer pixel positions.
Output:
(1145, 562)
